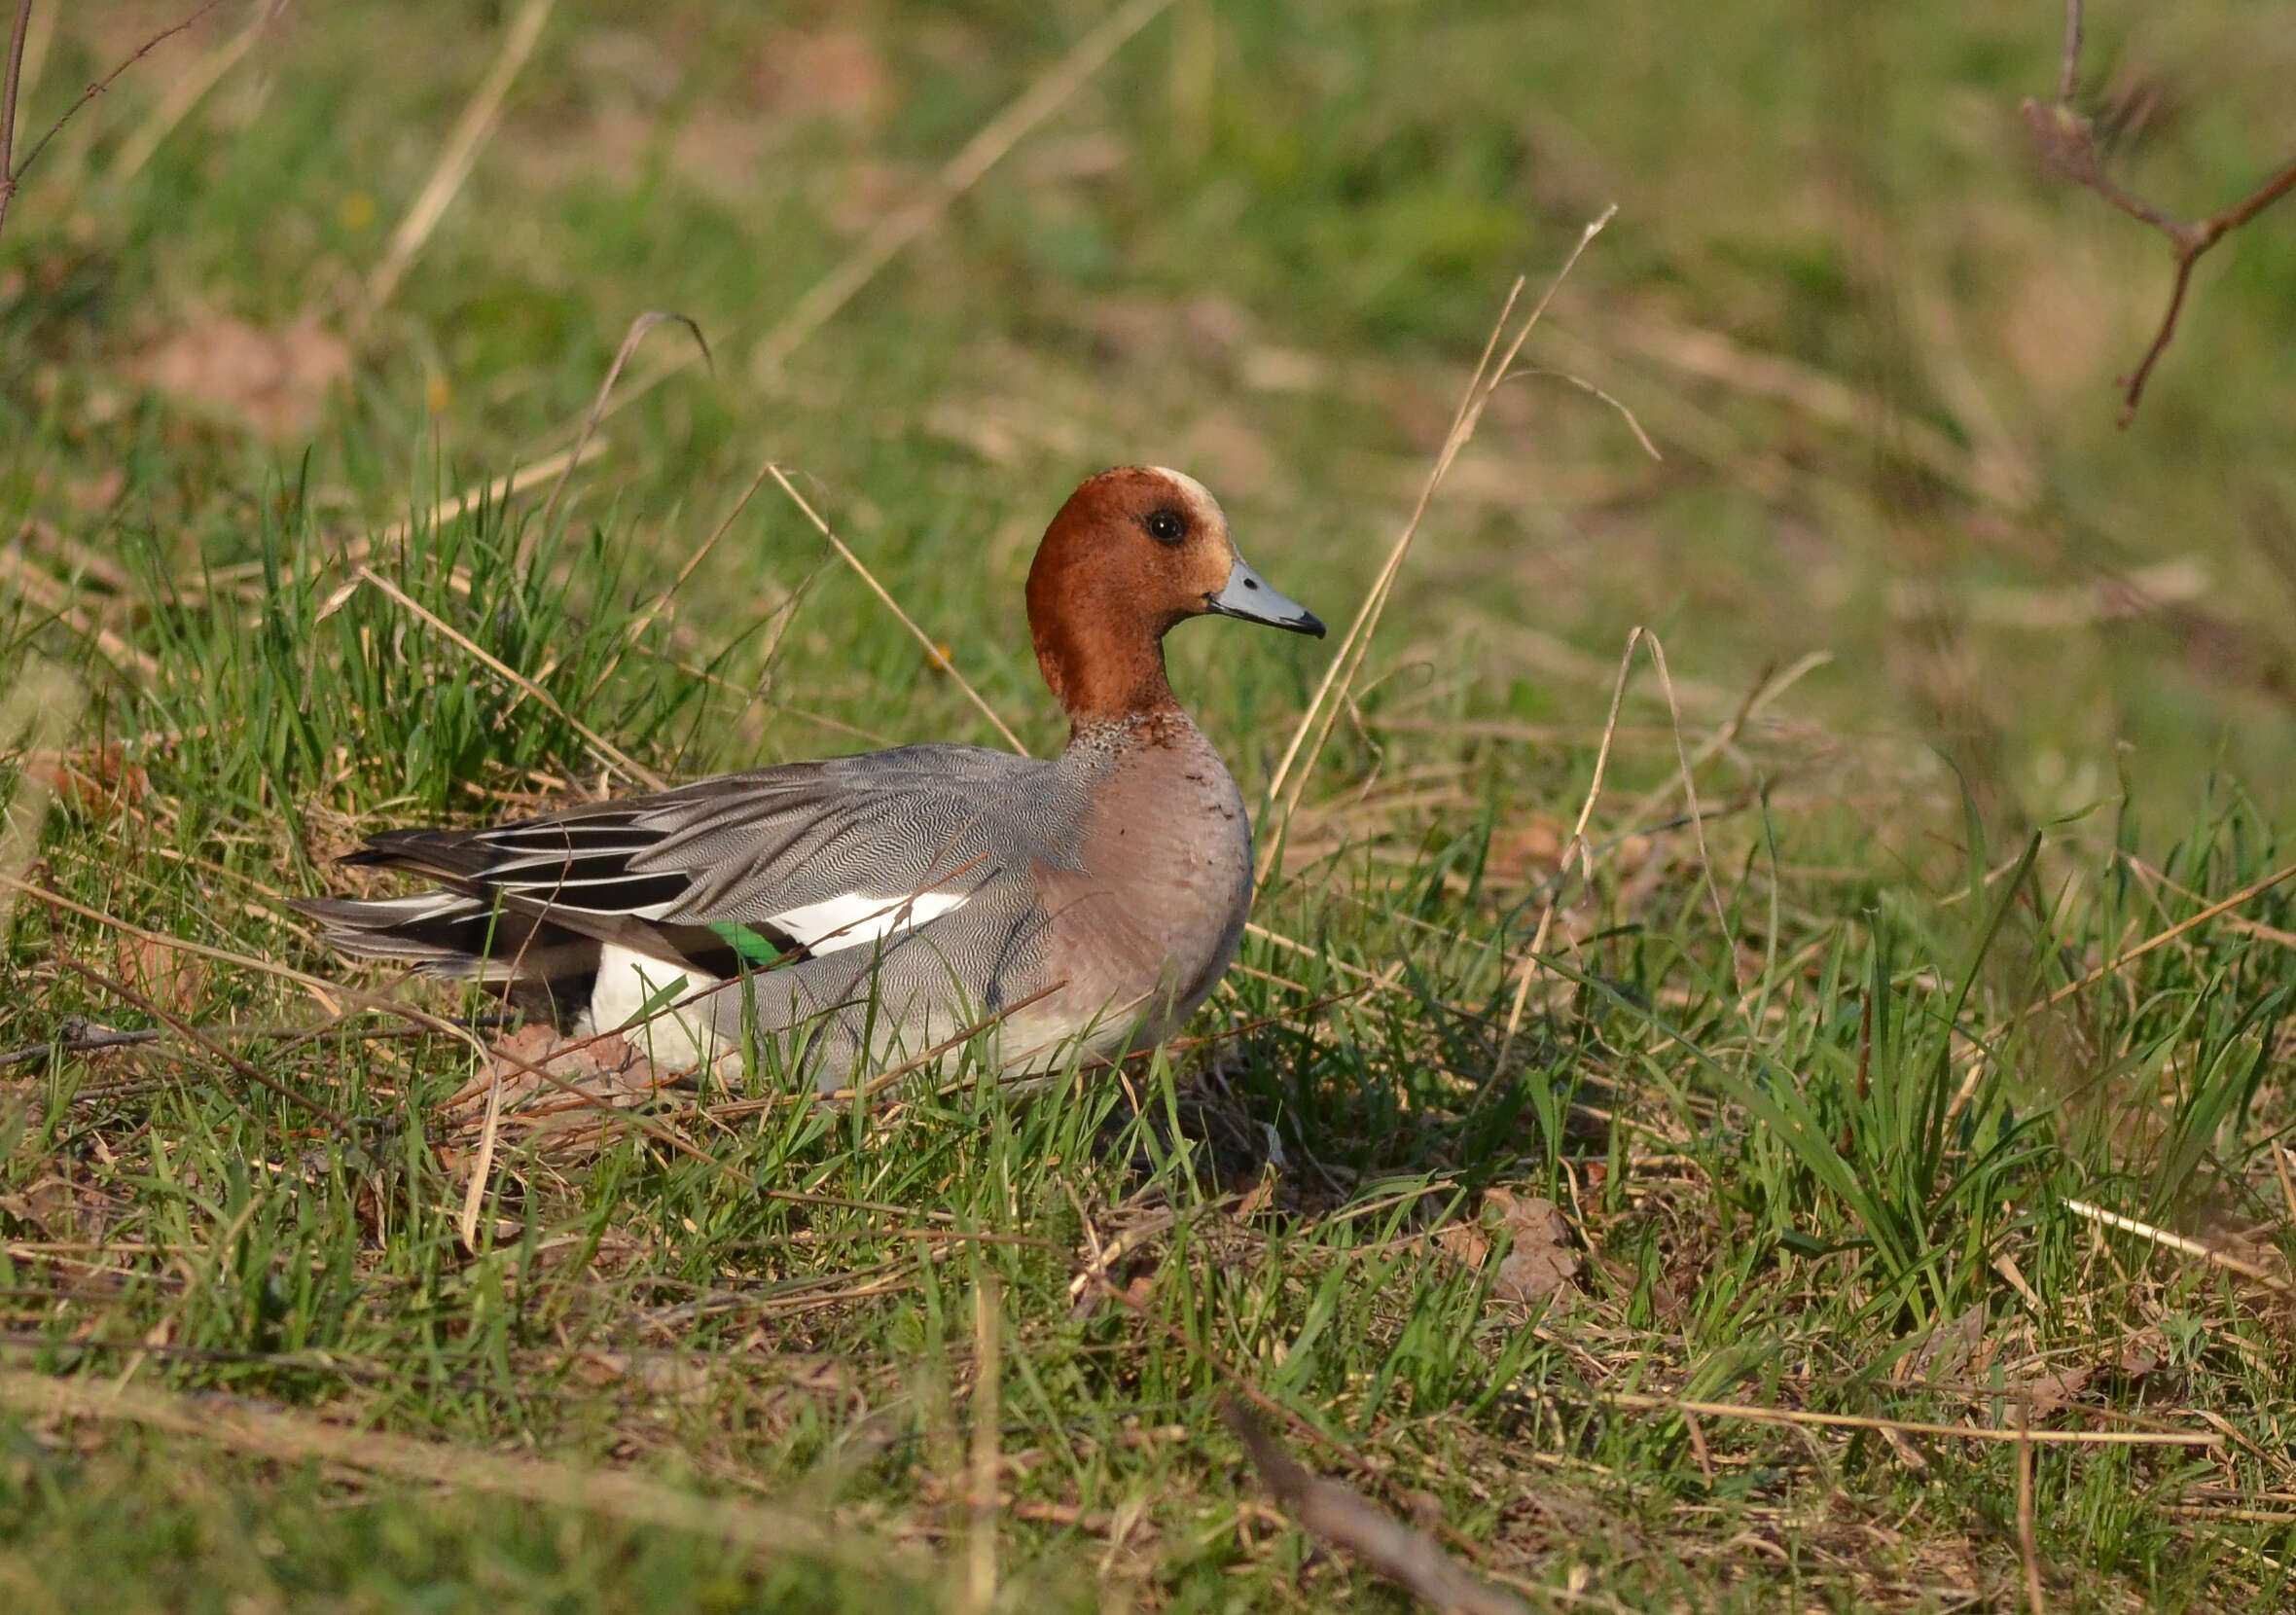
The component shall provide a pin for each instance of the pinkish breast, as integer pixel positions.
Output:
(1147, 927)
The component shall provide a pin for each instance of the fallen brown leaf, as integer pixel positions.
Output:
(94, 782)
(2146, 1352)
(169, 976)
(605, 1071)
(1541, 1263)
(2045, 1393)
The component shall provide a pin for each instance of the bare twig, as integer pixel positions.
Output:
(177, 1024)
(12, 172)
(1336, 1513)
(2067, 144)
(17, 35)
(2068, 70)
(86, 1042)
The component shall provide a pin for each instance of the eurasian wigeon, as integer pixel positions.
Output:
(878, 905)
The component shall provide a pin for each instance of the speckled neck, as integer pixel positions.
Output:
(1095, 738)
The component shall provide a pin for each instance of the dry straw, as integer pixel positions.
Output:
(1315, 725)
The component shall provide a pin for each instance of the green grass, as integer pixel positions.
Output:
(1816, 1089)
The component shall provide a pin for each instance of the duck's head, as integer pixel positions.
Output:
(1134, 551)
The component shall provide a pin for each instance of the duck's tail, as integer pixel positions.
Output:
(545, 969)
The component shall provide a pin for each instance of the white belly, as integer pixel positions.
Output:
(628, 983)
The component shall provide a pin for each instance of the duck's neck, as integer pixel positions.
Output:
(1107, 681)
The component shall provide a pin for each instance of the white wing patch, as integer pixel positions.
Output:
(857, 918)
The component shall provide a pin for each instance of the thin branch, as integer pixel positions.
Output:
(15, 72)
(2067, 144)
(2069, 69)
(1336, 1513)
(13, 177)
(184, 1029)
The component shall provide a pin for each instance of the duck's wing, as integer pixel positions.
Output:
(752, 868)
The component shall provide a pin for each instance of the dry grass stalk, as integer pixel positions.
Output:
(185, 1029)
(2178, 1242)
(482, 1172)
(493, 492)
(289, 1439)
(1635, 1402)
(455, 157)
(988, 1366)
(605, 748)
(1575, 847)
(1331, 696)
(631, 338)
(1336, 1514)
(2115, 965)
(959, 174)
(52, 597)
(933, 653)
(644, 620)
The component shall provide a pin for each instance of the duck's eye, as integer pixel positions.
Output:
(1165, 526)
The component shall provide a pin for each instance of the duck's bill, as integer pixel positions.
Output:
(1253, 598)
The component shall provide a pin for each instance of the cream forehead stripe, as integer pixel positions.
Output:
(858, 918)
(1206, 507)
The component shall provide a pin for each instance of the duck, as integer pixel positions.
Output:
(861, 912)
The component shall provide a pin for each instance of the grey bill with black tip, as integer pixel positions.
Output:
(1253, 598)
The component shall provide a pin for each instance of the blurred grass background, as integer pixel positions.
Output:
(1874, 345)
(1875, 349)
